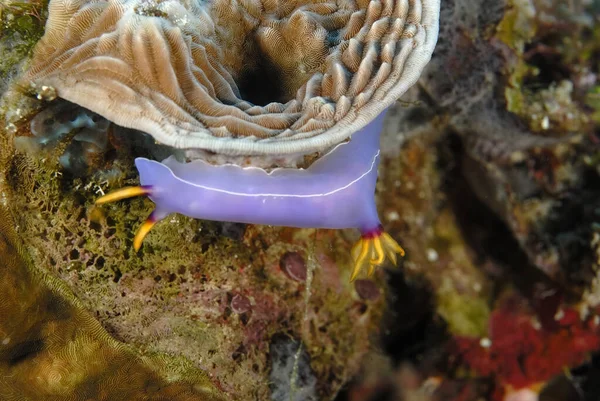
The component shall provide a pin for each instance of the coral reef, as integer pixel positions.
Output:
(288, 356)
(214, 299)
(212, 294)
(51, 348)
(525, 155)
(191, 291)
(490, 176)
(495, 192)
(236, 79)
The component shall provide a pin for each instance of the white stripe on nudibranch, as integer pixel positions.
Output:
(277, 195)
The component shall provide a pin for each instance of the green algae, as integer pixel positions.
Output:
(547, 107)
(21, 26)
(592, 100)
(516, 29)
(518, 25)
(460, 299)
(466, 315)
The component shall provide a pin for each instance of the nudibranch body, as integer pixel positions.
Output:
(337, 191)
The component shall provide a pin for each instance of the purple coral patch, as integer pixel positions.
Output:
(293, 264)
(366, 289)
(240, 304)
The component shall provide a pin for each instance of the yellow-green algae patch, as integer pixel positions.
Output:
(593, 101)
(21, 26)
(548, 108)
(460, 303)
(50, 348)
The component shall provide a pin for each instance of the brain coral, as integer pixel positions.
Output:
(284, 77)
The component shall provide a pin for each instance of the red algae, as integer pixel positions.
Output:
(521, 353)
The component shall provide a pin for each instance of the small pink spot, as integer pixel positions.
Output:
(522, 395)
(240, 304)
(366, 289)
(293, 264)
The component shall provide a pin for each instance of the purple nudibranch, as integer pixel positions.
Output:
(337, 191)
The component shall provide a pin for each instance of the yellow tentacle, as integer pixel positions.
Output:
(123, 193)
(142, 232)
(356, 249)
(391, 255)
(391, 244)
(378, 252)
(361, 259)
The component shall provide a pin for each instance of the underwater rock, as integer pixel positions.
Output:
(525, 154)
(548, 197)
(292, 378)
(484, 202)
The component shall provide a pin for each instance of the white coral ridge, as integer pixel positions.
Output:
(237, 77)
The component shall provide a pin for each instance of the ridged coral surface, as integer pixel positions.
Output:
(246, 77)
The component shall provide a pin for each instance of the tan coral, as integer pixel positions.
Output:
(278, 77)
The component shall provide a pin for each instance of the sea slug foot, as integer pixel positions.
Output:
(372, 249)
